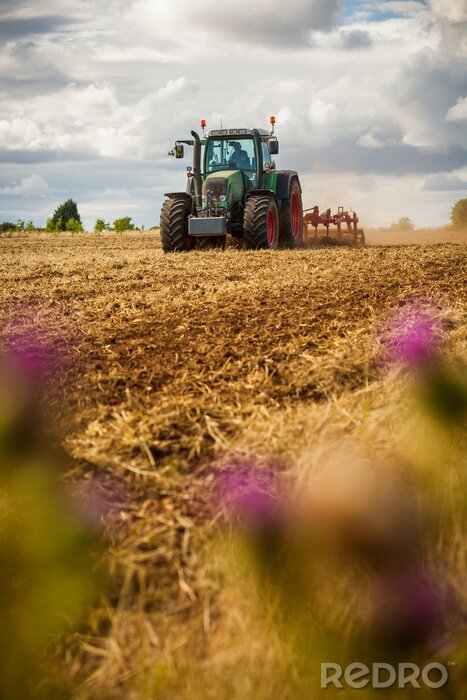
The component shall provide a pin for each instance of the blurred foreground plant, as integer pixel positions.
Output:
(356, 556)
(48, 568)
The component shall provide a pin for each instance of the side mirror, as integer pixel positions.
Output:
(274, 147)
(178, 152)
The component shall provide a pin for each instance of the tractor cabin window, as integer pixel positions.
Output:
(238, 154)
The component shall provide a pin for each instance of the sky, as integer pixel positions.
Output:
(370, 99)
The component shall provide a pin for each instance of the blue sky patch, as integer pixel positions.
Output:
(378, 10)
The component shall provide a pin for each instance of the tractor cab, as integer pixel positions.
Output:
(240, 149)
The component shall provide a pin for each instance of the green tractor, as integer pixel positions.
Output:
(233, 189)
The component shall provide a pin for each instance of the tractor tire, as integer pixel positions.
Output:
(261, 223)
(174, 226)
(291, 219)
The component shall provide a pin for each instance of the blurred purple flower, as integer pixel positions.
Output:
(33, 361)
(249, 493)
(408, 610)
(413, 336)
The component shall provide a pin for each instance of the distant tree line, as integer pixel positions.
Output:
(66, 217)
(458, 219)
(119, 225)
(20, 226)
(404, 225)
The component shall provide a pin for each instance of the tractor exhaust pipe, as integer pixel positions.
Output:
(197, 169)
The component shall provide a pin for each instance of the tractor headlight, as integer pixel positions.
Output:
(222, 198)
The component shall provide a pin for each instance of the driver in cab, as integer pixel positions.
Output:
(239, 157)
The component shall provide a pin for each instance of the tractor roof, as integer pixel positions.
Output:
(228, 133)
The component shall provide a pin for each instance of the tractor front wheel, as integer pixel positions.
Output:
(291, 218)
(174, 226)
(261, 223)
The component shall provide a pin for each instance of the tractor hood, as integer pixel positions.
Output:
(230, 184)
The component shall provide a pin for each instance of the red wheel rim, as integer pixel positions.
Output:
(295, 213)
(271, 228)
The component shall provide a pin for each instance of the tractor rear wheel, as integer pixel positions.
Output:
(174, 226)
(261, 223)
(291, 218)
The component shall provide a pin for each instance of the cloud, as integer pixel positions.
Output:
(368, 140)
(458, 112)
(444, 183)
(453, 10)
(428, 84)
(34, 185)
(91, 120)
(21, 27)
(181, 87)
(19, 133)
(355, 39)
(130, 54)
(264, 22)
(451, 16)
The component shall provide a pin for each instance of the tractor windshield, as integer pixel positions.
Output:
(227, 154)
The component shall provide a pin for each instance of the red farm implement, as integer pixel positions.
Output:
(327, 228)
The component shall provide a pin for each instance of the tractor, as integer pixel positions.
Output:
(234, 189)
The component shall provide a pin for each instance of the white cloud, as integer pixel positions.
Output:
(458, 112)
(19, 133)
(130, 54)
(355, 39)
(182, 87)
(445, 183)
(404, 6)
(92, 120)
(243, 21)
(452, 10)
(369, 140)
(34, 185)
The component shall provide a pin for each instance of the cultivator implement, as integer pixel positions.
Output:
(327, 228)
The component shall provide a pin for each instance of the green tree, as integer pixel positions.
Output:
(52, 227)
(6, 227)
(124, 224)
(30, 226)
(459, 214)
(64, 212)
(74, 226)
(20, 225)
(101, 225)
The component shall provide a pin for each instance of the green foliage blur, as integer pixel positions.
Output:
(124, 224)
(63, 214)
(459, 214)
(52, 227)
(359, 560)
(74, 226)
(101, 225)
(47, 550)
(7, 227)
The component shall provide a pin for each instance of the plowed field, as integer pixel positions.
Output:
(168, 365)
